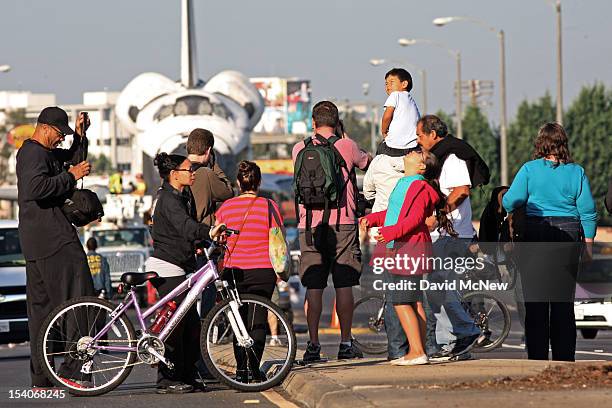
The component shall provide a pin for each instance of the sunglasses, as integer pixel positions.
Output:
(62, 134)
(189, 170)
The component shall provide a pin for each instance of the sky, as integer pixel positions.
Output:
(67, 47)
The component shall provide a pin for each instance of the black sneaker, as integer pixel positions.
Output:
(249, 376)
(312, 353)
(198, 386)
(179, 388)
(462, 357)
(349, 352)
(441, 355)
(465, 344)
(483, 342)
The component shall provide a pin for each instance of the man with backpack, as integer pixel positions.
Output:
(326, 204)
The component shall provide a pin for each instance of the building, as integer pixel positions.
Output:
(106, 137)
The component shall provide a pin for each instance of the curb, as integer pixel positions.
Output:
(314, 390)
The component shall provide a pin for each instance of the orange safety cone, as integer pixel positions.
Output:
(335, 323)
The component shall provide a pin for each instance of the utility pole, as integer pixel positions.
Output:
(458, 101)
(559, 66)
(503, 128)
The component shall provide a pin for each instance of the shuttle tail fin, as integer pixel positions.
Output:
(189, 71)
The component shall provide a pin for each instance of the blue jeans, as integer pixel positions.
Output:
(461, 322)
(396, 338)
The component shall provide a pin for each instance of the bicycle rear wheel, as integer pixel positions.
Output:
(369, 325)
(70, 359)
(254, 368)
(491, 316)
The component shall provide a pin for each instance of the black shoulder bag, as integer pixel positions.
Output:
(83, 206)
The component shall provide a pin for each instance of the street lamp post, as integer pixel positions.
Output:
(372, 108)
(377, 62)
(442, 21)
(404, 42)
(556, 4)
(559, 66)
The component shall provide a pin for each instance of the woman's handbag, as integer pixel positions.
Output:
(277, 245)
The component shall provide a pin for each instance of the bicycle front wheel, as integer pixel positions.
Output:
(69, 356)
(252, 368)
(369, 325)
(491, 316)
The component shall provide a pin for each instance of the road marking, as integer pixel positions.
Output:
(278, 400)
(251, 401)
(512, 346)
(370, 387)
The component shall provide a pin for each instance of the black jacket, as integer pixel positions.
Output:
(495, 227)
(175, 230)
(42, 187)
(478, 169)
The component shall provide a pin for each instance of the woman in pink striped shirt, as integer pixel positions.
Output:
(247, 261)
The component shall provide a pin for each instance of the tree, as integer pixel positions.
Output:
(588, 123)
(480, 135)
(358, 129)
(101, 164)
(448, 119)
(524, 129)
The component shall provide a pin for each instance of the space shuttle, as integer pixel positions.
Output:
(161, 112)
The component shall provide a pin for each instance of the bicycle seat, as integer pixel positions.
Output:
(137, 278)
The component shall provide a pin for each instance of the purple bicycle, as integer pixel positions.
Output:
(90, 346)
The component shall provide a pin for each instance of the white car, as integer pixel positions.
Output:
(593, 306)
(13, 310)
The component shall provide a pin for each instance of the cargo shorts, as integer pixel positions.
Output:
(335, 252)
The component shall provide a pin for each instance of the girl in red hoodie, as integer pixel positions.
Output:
(405, 233)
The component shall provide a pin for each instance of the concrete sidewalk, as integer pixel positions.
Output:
(376, 383)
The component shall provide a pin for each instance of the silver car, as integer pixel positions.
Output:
(13, 310)
(126, 249)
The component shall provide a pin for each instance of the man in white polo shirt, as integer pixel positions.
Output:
(455, 182)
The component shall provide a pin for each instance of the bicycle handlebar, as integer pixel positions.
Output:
(216, 232)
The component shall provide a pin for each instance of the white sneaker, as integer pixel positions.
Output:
(415, 361)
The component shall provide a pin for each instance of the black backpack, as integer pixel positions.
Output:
(319, 181)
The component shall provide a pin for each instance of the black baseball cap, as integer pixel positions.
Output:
(57, 117)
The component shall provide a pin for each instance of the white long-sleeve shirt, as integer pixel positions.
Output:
(379, 181)
(381, 178)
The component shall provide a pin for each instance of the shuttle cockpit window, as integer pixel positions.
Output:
(164, 112)
(193, 105)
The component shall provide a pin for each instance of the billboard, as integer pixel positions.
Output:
(298, 107)
(287, 105)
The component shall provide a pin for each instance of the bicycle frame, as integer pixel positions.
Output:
(197, 282)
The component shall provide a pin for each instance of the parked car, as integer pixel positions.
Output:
(13, 310)
(126, 248)
(593, 306)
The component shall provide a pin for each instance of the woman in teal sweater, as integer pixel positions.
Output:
(561, 216)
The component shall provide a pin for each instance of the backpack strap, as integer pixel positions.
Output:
(308, 229)
(351, 177)
(273, 214)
